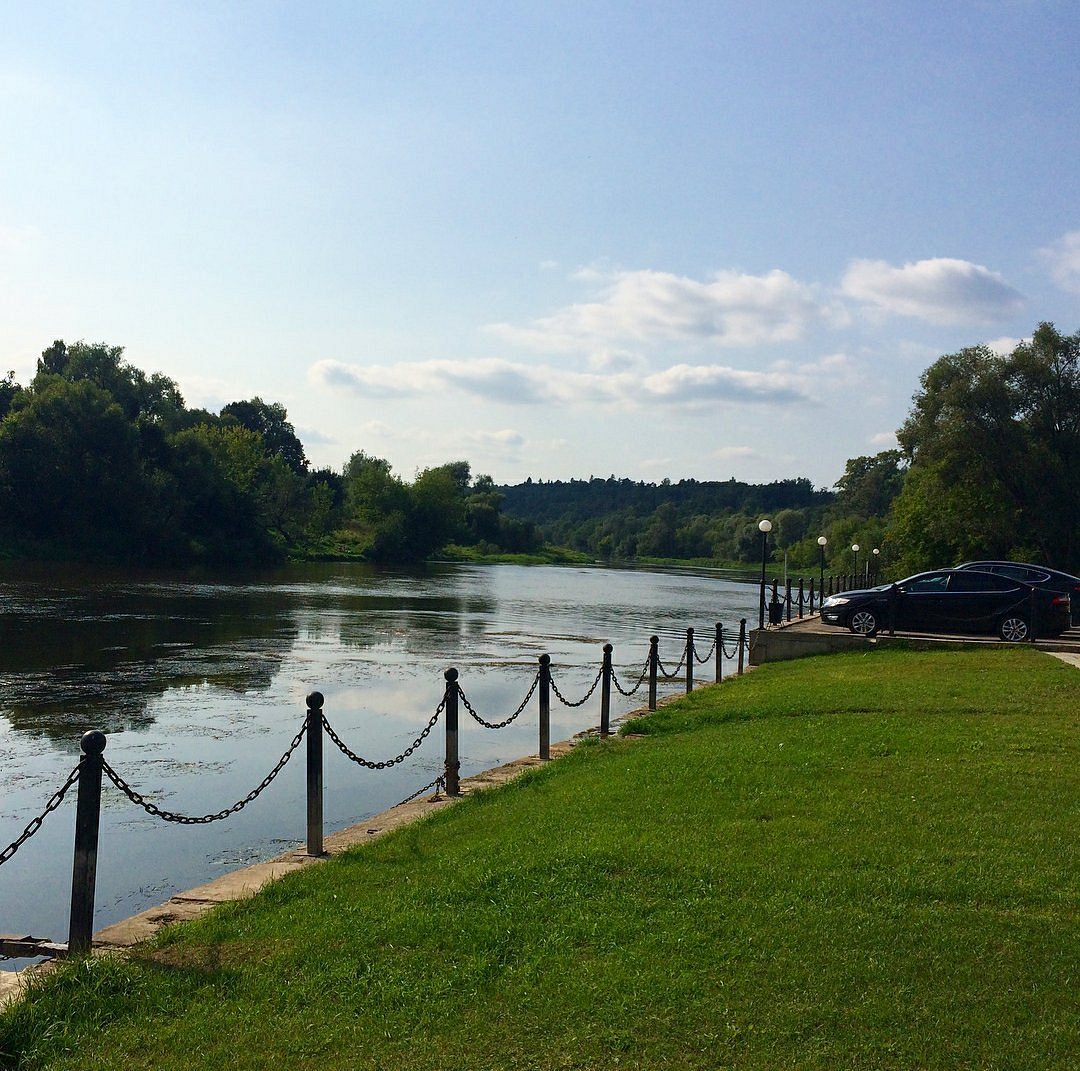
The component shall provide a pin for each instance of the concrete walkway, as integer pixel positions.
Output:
(1072, 657)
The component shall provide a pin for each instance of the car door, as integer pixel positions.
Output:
(921, 603)
(978, 600)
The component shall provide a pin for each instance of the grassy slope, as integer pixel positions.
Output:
(859, 861)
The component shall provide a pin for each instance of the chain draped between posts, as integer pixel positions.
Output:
(637, 684)
(92, 767)
(584, 699)
(506, 721)
(385, 764)
(206, 819)
(36, 824)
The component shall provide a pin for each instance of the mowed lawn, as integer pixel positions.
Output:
(859, 861)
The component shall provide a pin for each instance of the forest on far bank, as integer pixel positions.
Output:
(102, 462)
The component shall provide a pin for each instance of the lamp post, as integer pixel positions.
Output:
(821, 544)
(764, 527)
(877, 557)
(855, 567)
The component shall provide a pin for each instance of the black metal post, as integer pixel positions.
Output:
(802, 596)
(689, 660)
(87, 823)
(719, 652)
(545, 706)
(787, 598)
(605, 692)
(654, 665)
(742, 643)
(452, 766)
(314, 774)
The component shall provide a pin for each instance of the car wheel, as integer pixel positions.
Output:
(863, 623)
(1013, 629)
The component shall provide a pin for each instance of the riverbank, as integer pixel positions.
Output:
(844, 861)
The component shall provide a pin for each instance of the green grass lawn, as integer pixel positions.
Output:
(859, 861)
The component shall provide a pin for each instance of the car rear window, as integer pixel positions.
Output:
(965, 581)
(1018, 572)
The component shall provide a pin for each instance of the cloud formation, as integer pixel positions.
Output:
(941, 290)
(1062, 259)
(506, 438)
(641, 307)
(497, 380)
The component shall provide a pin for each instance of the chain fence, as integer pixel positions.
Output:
(670, 674)
(702, 659)
(385, 764)
(585, 698)
(317, 722)
(36, 824)
(637, 685)
(206, 819)
(505, 722)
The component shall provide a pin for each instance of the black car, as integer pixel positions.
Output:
(952, 600)
(1039, 575)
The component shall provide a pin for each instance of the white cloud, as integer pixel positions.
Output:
(729, 309)
(700, 383)
(504, 439)
(497, 380)
(884, 440)
(315, 436)
(941, 290)
(1062, 259)
(735, 453)
(1004, 345)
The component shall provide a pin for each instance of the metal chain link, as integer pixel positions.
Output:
(640, 681)
(584, 699)
(705, 657)
(206, 819)
(386, 763)
(501, 724)
(669, 673)
(35, 825)
(439, 781)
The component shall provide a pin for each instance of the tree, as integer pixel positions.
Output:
(9, 391)
(270, 420)
(994, 448)
(870, 484)
(70, 472)
(154, 398)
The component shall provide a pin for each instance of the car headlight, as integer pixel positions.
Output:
(836, 600)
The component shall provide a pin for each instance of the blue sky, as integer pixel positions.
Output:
(555, 240)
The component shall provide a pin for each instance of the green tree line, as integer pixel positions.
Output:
(100, 461)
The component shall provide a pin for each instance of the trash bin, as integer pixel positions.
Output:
(776, 612)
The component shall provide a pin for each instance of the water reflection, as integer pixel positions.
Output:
(94, 654)
(200, 683)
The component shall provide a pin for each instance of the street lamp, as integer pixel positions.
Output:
(821, 544)
(877, 555)
(764, 527)
(855, 568)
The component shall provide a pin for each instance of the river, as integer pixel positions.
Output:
(199, 684)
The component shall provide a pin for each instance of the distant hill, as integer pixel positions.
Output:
(577, 500)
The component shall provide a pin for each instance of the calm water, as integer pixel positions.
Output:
(200, 685)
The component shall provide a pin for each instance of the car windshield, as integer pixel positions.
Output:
(925, 582)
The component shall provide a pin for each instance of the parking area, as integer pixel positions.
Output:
(809, 636)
